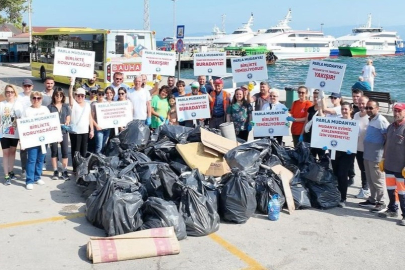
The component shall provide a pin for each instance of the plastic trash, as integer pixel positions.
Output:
(177, 134)
(273, 160)
(134, 135)
(267, 185)
(113, 147)
(274, 208)
(157, 213)
(302, 154)
(316, 173)
(324, 196)
(238, 197)
(301, 197)
(280, 152)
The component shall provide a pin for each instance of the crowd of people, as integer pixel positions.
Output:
(380, 155)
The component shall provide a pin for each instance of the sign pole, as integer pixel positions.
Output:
(178, 66)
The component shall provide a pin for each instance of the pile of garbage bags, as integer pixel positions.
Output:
(141, 182)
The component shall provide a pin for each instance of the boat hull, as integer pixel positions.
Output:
(364, 52)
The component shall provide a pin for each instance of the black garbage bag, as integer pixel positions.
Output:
(164, 151)
(279, 151)
(198, 212)
(302, 154)
(157, 213)
(82, 166)
(179, 167)
(213, 191)
(238, 197)
(134, 135)
(113, 147)
(248, 156)
(267, 185)
(177, 134)
(316, 173)
(121, 213)
(324, 196)
(300, 196)
(297, 174)
(273, 160)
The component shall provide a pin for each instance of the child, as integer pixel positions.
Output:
(172, 115)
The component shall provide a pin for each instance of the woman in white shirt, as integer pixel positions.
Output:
(81, 121)
(10, 110)
(336, 110)
(35, 157)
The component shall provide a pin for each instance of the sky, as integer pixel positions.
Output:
(199, 17)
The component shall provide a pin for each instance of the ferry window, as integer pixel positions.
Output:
(119, 44)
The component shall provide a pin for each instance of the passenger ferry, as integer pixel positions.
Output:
(367, 41)
(294, 44)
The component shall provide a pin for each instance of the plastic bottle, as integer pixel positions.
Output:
(274, 208)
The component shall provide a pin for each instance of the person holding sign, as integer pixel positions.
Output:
(299, 112)
(101, 135)
(343, 160)
(219, 102)
(58, 105)
(335, 111)
(275, 105)
(81, 120)
(160, 107)
(240, 113)
(35, 158)
(190, 123)
(10, 110)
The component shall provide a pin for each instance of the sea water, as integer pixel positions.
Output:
(292, 73)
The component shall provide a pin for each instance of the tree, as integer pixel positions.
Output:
(11, 11)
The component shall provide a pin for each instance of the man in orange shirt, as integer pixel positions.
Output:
(298, 112)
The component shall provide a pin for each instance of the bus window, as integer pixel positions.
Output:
(119, 44)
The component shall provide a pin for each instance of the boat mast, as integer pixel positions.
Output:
(368, 25)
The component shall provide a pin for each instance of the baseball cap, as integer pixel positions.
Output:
(245, 87)
(80, 91)
(399, 106)
(195, 85)
(219, 81)
(335, 95)
(27, 82)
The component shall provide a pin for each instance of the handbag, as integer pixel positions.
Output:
(308, 125)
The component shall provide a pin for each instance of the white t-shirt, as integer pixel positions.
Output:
(9, 112)
(338, 111)
(274, 107)
(368, 72)
(80, 118)
(139, 98)
(25, 100)
(31, 112)
(363, 123)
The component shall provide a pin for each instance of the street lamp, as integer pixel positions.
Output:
(174, 18)
(29, 29)
(321, 26)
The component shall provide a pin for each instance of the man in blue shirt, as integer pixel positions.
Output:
(117, 83)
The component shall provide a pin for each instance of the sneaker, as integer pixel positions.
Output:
(12, 176)
(388, 213)
(29, 186)
(363, 194)
(40, 182)
(366, 204)
(378, 208)
(44, 166)
(8, 180)
(402, 222)
(65, 176)
(55, 175)
(23, 174)
(342, 204)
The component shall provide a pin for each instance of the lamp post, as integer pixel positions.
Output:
(321, 27)
(174, 19)
(29, 29)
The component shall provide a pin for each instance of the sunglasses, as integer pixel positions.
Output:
(100, 94)
(121, 94)
(80, 95)
(369, 108)
(333, 97)
(10, 92)
(299, 92)
(273, 96)
(36, 98)
(59, 95)
(27, 85)
(93, 92)
(118, 79)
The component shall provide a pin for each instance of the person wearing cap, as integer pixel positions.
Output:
(195, 86)
(368, 73)
(336, 110)
(246, 92)
(275, 105)
(219, 102)
(91, 87)
(141, 101)
(374, 141)
(81, 122)
(393, 163)
(204, 86)
(263, 97)
(298, 113)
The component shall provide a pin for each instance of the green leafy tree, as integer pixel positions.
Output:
(11, 11)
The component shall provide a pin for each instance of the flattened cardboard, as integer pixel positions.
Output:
(286, 176)
(217, 142)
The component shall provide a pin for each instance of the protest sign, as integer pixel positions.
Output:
(114, 114)
(209, 63)
(270, 123)
(326, 76)
(249, 68)
(158, 62)
(193, 107)
(39, 130)
(129, 69)
(73, 63)
(336, 134)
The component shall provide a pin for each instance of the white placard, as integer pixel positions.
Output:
(335, 133)
(249, 68)
(193, 107)
(270, 123)
(210, 63)
(39, 130)
(158, 62)
(114, 114)
(73, 63)
(326, 76)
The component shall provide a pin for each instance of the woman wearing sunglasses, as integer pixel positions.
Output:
(35, 157)
(10, 110)
(81, 121)
(58, 105)
(336, 109)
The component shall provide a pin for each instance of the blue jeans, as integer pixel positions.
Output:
(101, 139)
(35, 161)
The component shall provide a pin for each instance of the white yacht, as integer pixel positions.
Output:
(286, 43)
(367, 40)
(239, 36)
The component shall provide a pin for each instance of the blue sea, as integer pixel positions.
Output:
(292, 73)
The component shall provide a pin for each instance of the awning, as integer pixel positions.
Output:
(19, 39)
